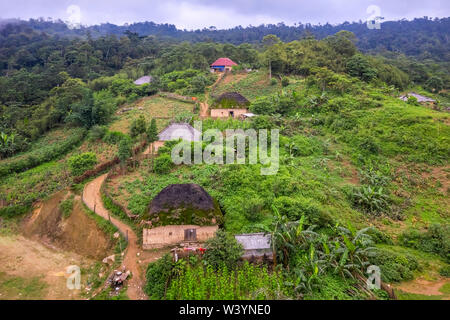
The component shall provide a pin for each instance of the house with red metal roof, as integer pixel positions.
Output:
(222, 65)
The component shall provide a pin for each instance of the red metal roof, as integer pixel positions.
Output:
(224, 62)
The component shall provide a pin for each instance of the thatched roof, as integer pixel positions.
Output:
(236, 98)
(182, 131)
(184, 204)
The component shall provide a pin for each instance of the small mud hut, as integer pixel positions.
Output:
(230, 104)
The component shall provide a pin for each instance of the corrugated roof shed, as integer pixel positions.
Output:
(419, 97)
(182, 131)
(143, 80)
(254, 241)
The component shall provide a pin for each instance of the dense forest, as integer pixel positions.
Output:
(49, 78)
(421, 37)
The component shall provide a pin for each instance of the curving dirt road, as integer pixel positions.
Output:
(92, 198)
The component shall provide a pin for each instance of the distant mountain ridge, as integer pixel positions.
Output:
(421, 37)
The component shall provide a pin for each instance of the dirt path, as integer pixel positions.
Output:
(204, 106)
(92, 198)
(424, 287)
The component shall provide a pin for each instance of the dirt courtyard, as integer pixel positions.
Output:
(27, 259)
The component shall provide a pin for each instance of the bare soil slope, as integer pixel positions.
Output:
(77, 233)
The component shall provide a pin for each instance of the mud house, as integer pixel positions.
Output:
(230, 104)
(166, 236)
(181, 213)
(223, 65)
(257, 246)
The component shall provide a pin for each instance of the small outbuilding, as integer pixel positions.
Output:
(182, 131)
(257, 246)
(222, 65)
(420, 98)
(143, 80)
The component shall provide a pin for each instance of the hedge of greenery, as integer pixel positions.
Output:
(45, 154)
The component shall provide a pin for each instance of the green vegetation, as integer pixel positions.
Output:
(41, 153)
(79, 164)
(223, 250)
(13, 287)
(435, 240)
(352, 154)
(249, 282)
(66, 206)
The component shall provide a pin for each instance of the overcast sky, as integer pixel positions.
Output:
(193, 14)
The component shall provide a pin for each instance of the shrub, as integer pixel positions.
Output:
(113, 137)
(371, 200)
(163, 164)
(273, 82)
(158, 276)
(445, 271)
(138, 126)
(97, 132)
(435, 240)
(413, 101)
(222, 250)
(79, 164)
(379, 237)
(42, 155)
(124, 150)
(295, 208)
(285, 82)
(394, 267)
(66, 206)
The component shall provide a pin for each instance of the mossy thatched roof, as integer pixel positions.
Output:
(184, 204)
(232, 99)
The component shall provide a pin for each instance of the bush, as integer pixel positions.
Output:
(97, 132)
(42, 155)
(66, 207)
(435, 240)
(79, 164)
(295, 208)
(163, 164)
(394, 267)
(113, 137)
(158, 276)
(371, 200)
(138, 126)
(445, 271)
(273, 82)
(222, 250)
(413, 101)
(285, 82)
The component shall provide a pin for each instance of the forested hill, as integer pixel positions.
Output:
(421, 37)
